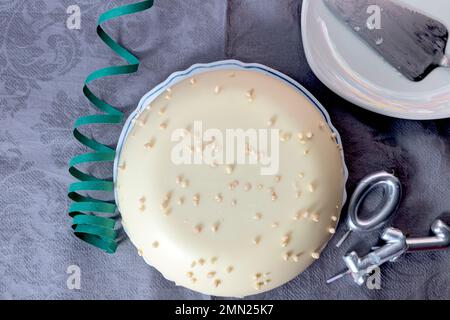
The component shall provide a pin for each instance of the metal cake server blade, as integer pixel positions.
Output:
(410, 41)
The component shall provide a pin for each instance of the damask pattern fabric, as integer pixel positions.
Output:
(42, 68)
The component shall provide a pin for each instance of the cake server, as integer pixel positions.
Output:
(410, 41)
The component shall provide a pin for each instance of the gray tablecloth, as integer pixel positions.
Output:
(42, 67)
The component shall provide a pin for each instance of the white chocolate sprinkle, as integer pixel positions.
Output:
(167, 196)
(256, 240)
(250, 95)
(162, 110)
(257, 216)
(164, 204)
(217, 282)
(311, 188)
(211, 274)
(215, 227)
(192, 81)
(275, 225)
(272, 121)
(301, 138)
(198, 228)
(189, 274)
(229, 169)
(296, 257)
(331, 230)
(287, 255)
(196, 199)
(286, 137)
(150, 145)
(184, 184)
(315, 217)
(315, 255)
(247, 186)
(201, 261)
(155, 244)
(334, 218)
(233, 185)
(230, 269)
(218, 198)
(213, 260)
(167, 211)
(274, 196)
(163, 126)
(214, 164)
(217, 90)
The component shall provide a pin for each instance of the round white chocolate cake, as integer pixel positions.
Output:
(230, 218)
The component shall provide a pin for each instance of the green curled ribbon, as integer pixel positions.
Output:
(88, 225)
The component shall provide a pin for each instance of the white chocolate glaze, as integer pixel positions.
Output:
(227, 230)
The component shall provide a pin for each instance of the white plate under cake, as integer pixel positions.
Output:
(222, 227)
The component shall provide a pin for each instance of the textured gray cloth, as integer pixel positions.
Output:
(42, 67)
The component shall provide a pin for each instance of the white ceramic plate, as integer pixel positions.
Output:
(349, 67)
